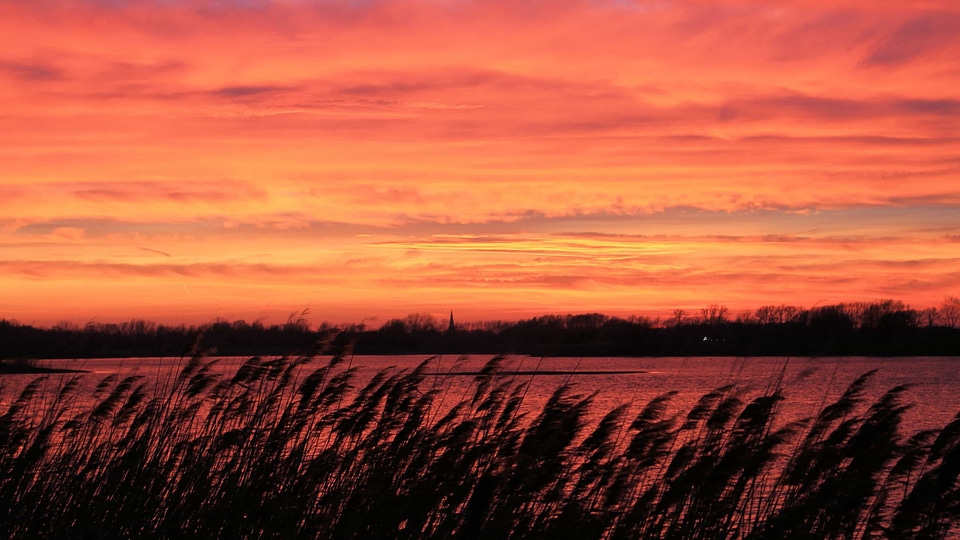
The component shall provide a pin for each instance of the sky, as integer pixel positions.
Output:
(184, 160)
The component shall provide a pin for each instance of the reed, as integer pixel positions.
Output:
(290, 448)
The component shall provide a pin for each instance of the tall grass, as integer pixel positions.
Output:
(286, 448)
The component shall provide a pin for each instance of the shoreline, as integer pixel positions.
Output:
(24, 368)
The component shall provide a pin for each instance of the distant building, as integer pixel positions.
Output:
(453, 327)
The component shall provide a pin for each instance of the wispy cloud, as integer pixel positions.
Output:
(23, 71)
(156, 251)
(926, 34)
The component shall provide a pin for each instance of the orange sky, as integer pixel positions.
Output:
(179, 160)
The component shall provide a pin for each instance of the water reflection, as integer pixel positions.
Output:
(809, 383)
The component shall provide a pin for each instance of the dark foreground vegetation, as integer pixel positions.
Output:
(884, 328)
(286, 449)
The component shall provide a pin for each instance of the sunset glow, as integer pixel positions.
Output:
(183, 160)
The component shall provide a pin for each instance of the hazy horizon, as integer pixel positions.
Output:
(689, 314)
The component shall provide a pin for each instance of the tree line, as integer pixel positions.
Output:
(884, 328)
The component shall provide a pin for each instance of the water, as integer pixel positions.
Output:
(810, 383)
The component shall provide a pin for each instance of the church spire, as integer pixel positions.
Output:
(453, 327)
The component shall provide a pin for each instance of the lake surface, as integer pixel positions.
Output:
(809, 383)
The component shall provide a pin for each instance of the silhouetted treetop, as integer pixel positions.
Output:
(885, 327)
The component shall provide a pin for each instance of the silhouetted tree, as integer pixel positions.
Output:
(419, 322)
(929, 316)
(950, 311)
(713, 314)
(884, 327)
